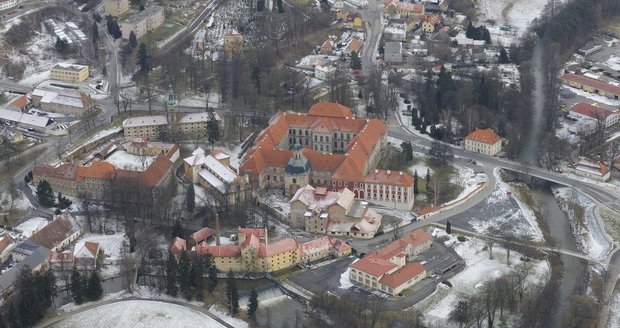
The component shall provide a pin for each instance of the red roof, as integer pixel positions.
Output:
(218, 251)
(178, 245)
(99, 170)
(402, 275)
(20, 102)
(284, 245)
(202, 234)
(594, 83)
(373, 265)
(416, 237)
(5, 242)
(591, 111)
(486, 136)
(64, 257)
(330, 109)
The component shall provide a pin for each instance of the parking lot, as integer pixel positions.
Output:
(437, 260)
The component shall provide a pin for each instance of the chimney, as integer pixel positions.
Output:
(217, 229)
(388, 172)
(266, 238)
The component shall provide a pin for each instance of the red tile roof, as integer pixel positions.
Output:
(486, 136)
(62, 257)
(20, 102)
(354, 45)
(202, 234)
(5, 242)
(281, 246)
(56, 231)
(330, 109)
(218, 251)
(178, 245)
(402, 275)
(591, 111)
(596, 84)
(374, 266)
(65, 171)
(99, 170)
(416, 237)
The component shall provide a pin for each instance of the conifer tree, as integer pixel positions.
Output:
(428, 179)
(190, 198)
(184, 275)
(253, 304)
(94, 290)
(196, 275)
(77, 286)
(171, 275)
(415, 182)
(232, 294)
(212, 272)
(44, 193)
(13, 318)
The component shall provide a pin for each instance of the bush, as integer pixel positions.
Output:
(461, 238)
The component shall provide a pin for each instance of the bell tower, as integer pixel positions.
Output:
(171, 105)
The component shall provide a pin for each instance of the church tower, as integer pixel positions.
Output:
(171, 105)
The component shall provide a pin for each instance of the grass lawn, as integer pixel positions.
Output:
(166, 29)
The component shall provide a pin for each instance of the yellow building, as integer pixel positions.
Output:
(233, 43)
(427, 27)
(115, 8)
(253, 252)
(483, 141)
(69, 72)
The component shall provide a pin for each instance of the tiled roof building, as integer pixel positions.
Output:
(483, 141)
(337, 151)
(387, 269)
(102, 181)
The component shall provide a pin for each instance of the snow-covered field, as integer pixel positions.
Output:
(614, 311)
(147, 314)
(21, 202)
(520, 222)
(235, 322)
(591, 237)
(480, 269)
(111, 245)
(467, 179)
(275, 198)
(32, 225)
(518, 13)
(127, 161)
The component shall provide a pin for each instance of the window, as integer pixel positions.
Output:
(321, 138)
(294, 180)
(268, 178)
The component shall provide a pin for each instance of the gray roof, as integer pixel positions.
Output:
(23, 118)
(393, 47)
(39, 255)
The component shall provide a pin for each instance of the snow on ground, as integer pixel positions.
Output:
(614, 311)
(235, 322)
(345, 282)
(569, 131)
(30, 226)
(519, 16)
(404, 215)
(21, 203)
(420, 167)
(527, 226)
(479, 269)
(591, 237)
(613, 62)
(467, 179)
(111, 245)
(593, 97)
(147, 314)
(275, 198)
(127, 161)
(223, 241)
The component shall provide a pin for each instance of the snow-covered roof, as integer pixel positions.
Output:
(69, 67)
(18, 117)
(212, 180)
(223, 172)
(145, 120)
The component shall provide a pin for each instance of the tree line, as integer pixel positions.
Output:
(34, 295)
(185, 275)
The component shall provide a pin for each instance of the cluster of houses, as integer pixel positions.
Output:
(43, 249)
(139, 23)
(250, 250)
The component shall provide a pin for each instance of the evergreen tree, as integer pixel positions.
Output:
(253, 304)
(448, 227)
(190, 198)
(95, 36)
(213, 129)
(260, 5)
(407, 150)
(77, 286)
(177, 229)
(113, 28)
(96, 17)
(171, 275)
(428, 179)
(470, 31)
(256, 77)
(356, 61)
(415, 182)
(503, 56)
(232, 294)
(197, 275)
(44, 193)
(61, 45)
(133, 40)
(212, 272)
(183, 270)
(144, 59)
(104, 71)
(280, 7)
(13, 317)
(94, 290)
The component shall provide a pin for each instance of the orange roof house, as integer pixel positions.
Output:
(388, 267)
(483, 141)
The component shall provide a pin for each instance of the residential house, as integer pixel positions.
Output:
(59, 233)
(6, 246)
(403, 9)
(321, 248)
(338, 4)
(483, 141)
(597, 114)
(115, 8)
(69, 72)
(324, 72)
(327, 147)
(62, 261)
(213, 173)
(178, 245)
(143, 22)
(181, 124)
(430, 23)
(333, 213)
(202, 235)
(25, 256)
(21, 103)
(354, 21)
(393, 52)
(85, 255)
(353, 46)
(70, 102)
(390, 269)
(596, 170)
(327, 47)
(395, 32)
